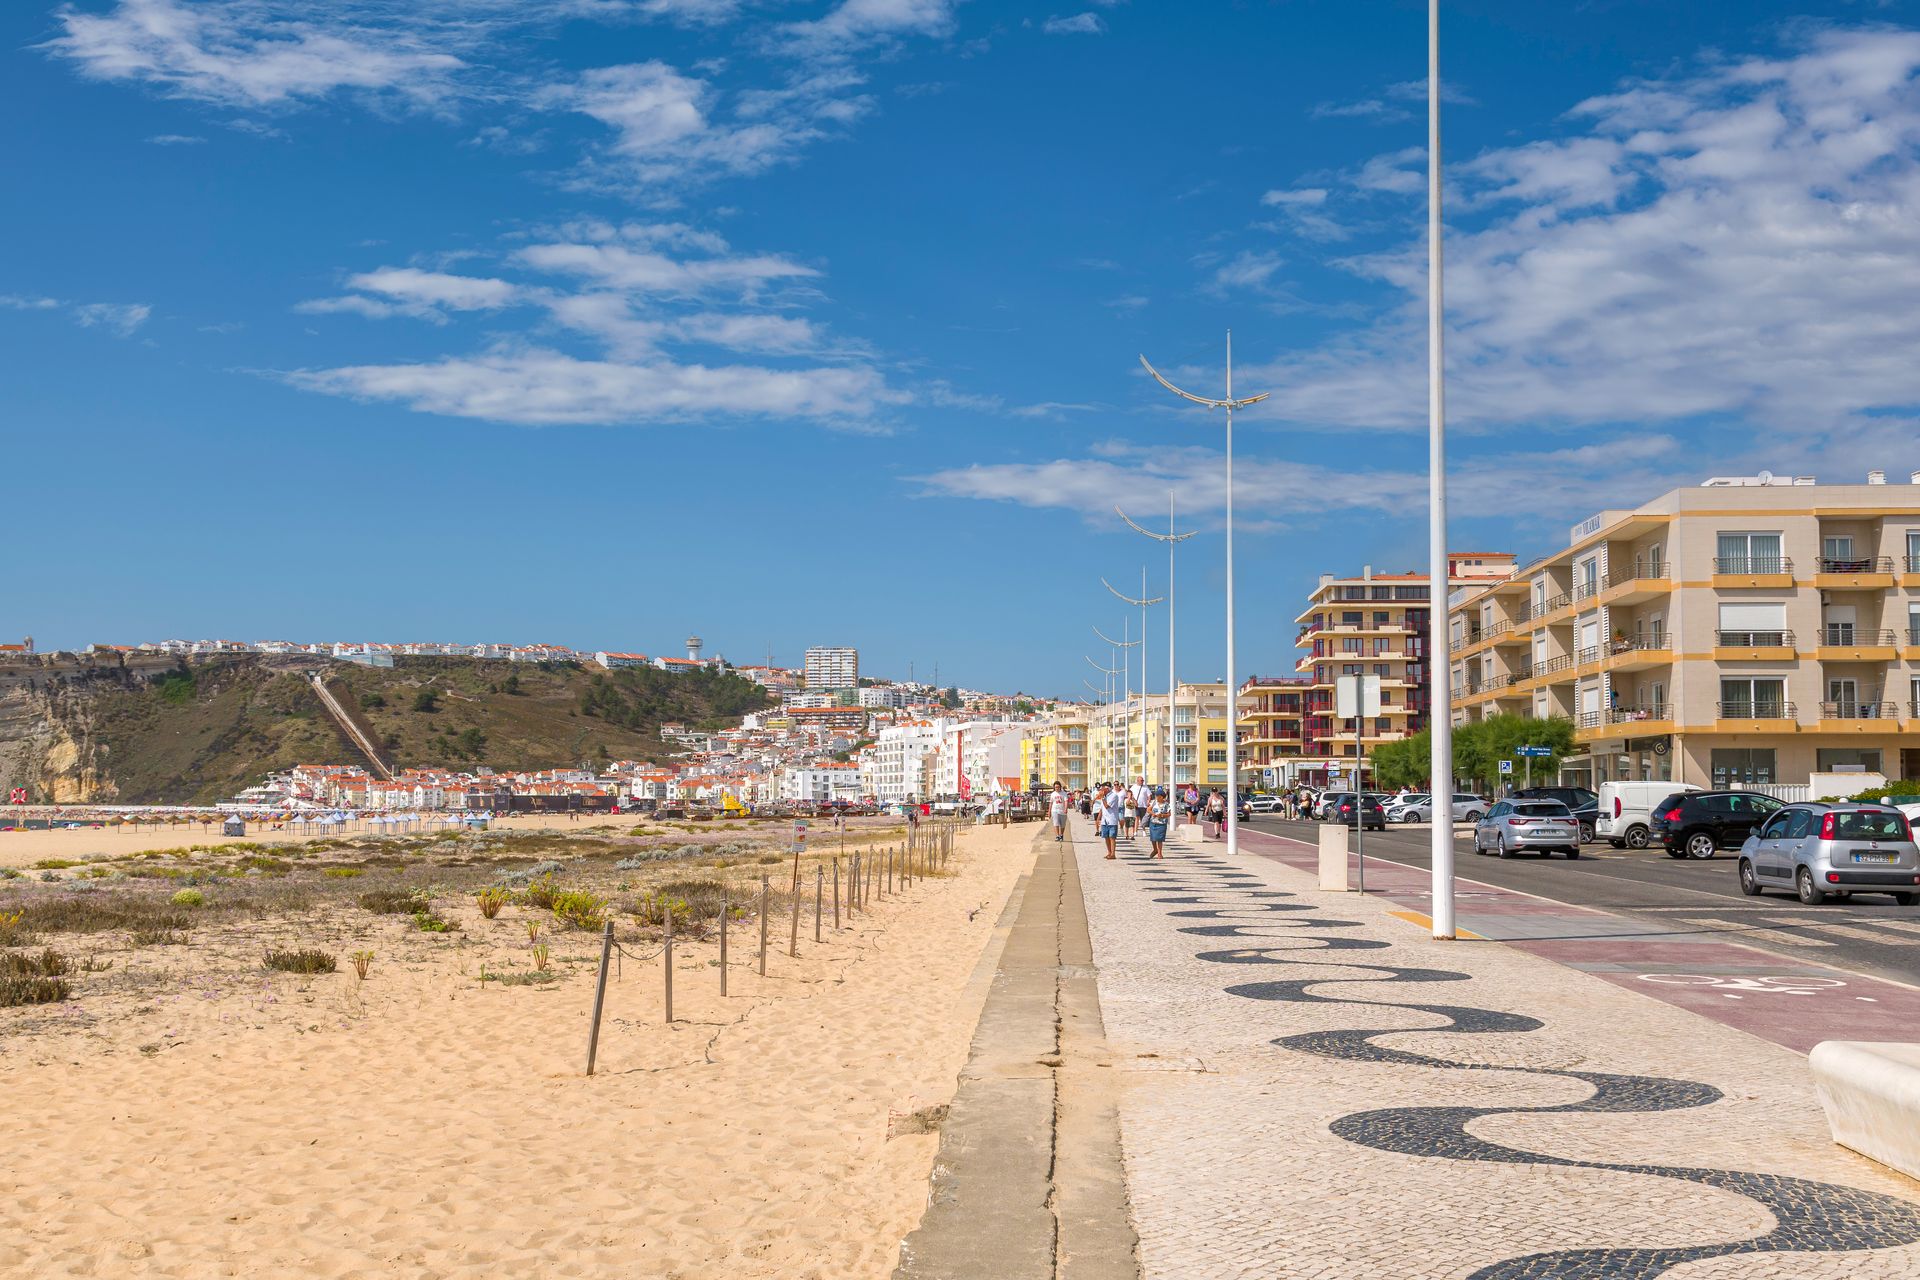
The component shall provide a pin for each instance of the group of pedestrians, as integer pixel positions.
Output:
(1119, 812)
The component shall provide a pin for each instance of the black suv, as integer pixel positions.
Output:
(1582, 803)
(1692, 824)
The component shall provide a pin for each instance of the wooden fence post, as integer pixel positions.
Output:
(836, 895)
(666, 950)
(725, 911)
(763, 926)
(819, 893)
(599, 995)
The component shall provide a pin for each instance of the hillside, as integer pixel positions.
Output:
(200, 731)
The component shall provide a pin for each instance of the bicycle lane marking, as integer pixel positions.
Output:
(1620, 951)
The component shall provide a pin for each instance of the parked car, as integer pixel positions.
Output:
(1819, 850)
(1466, 808)
(1401, 808)
(1363, 811)
(1693, 824)
(1626, 811)
(1265, 804)
(1585, 804)
(1514, 826)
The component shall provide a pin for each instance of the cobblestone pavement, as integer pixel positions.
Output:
(1315, 1088)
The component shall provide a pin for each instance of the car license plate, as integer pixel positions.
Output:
(1873, 857)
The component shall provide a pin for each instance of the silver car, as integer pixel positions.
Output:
(1466, 808)
(1541, 826)
(1821, 850)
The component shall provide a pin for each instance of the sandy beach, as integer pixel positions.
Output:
(192, 1114)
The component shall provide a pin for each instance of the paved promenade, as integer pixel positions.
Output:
(1310, 1086)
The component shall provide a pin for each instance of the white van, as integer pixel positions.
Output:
(1626, 807)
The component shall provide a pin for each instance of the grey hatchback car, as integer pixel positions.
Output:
(1820, 850)
(1542, 826)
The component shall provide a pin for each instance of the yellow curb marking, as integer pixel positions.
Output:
(1426, 922)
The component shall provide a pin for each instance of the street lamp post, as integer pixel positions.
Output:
(1172, 539)
(1233, 695)
(1439, 631)
(1142, 602)
(1106, 712)
(1126, 668)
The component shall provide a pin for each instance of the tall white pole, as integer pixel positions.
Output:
(1172, 685)
(1233, 696)
(1144, 770)
(1439, 631)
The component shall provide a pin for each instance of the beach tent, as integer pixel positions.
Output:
(233, 826)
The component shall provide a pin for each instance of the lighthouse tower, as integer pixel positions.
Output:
(693, 648)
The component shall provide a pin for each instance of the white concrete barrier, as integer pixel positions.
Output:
(1333, 857)
(1871, 1093)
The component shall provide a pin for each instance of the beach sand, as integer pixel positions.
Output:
(426, 1124)
(24, 848)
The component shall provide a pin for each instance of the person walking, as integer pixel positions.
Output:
(1112, 806)
(1159, 813)
(1142, 797)
(1057, 807)
(1217, 813)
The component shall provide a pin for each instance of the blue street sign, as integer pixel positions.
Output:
(1538, 753)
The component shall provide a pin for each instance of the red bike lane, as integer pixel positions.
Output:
(1785, 999)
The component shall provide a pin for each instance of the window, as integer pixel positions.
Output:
(1753, 698)
(1837, 547)
(1750, 806)
(1749, 553)
(1409, 593)
(1351, 618)
(1352, 644)
(1775, 827)
(1216, 757)
(1381, 618)
(1913, 548)
(1847, 760)
(1742, 767)
(1382, 644)
(1799, 822)
(1752, 624)
(1587, 577)
(1382, 725)
(1216, 735)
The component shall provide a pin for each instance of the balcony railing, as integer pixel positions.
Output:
(1633, 715)
(1552, 603)
(1845, 634)
(1761, 710)
(1523, 613)
(1752, 564)
(1649, 642)
(1859, 710)
(1641, 570)
(1913, 635)
(1753, 639)
(1864, 564)
(1913, 564)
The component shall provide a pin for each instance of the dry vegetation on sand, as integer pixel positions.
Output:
(364, 1057)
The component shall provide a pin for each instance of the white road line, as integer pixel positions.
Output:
(1749, 933)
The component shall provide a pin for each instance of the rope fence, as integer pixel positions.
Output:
(869, 875)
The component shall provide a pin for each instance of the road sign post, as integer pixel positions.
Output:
(1358, 697)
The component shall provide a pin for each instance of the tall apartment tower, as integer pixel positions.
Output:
(833, 668)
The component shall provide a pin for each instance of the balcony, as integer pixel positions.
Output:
(1637, 652)
(1869, 573)
(1624, 722)
(1761, 716)
(1913, 644)
(1859, 716)
(1752, 571)
(1753, 646)
(1844, 643)
(1912, 567)
(1643, 580)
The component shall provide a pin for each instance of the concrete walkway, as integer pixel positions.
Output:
(1310, 1086)
(1028, 1184)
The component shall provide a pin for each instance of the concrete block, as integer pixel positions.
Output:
(1333, 857)
(1871, 1093)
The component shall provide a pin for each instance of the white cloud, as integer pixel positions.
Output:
(638, 294)
(251, 53)
(540, 387)
(122, 318)
(854, 25)
(1080, 24)
(670, 128)
(1742, 240)
(175, 140)
(1250, 270)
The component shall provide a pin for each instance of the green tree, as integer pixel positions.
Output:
(426, 700)
(511, 684)
(951, 698)
(372, 700)
(1478, 749)
(472, 743)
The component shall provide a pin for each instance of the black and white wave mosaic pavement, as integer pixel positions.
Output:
(1256, 925)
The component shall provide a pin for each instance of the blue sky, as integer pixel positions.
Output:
(815, 321)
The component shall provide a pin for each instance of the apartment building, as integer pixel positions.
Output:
(1273, 712)
(1373, 624)
(1054, 749)
(1751, 630)
(1128, 739)
(833, 668)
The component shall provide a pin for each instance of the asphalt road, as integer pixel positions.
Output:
(1868, 934)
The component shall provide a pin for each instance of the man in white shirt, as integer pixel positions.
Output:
(1111, 805)
(1057, 807)
(1142, 797)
